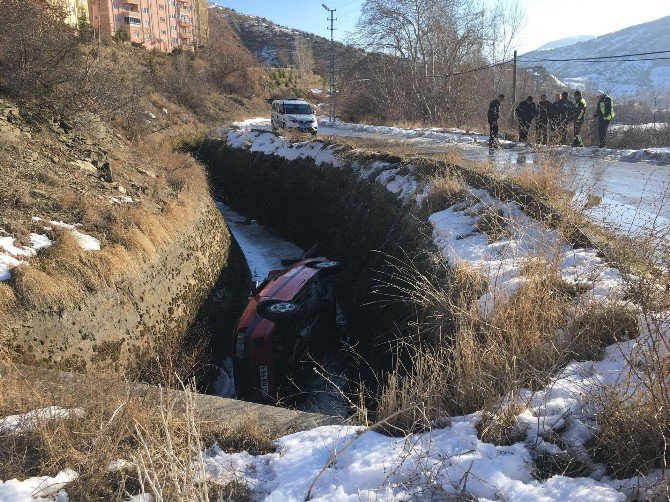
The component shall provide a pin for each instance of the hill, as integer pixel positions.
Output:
(278, 46)
(620, 78)
(564, 42)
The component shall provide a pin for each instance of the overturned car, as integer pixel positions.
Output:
(290, 310)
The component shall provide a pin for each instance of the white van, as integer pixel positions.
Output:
(294, 114)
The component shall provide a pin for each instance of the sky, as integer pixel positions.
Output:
(546, 21)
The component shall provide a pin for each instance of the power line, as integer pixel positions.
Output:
(480, 68)
(597, 58)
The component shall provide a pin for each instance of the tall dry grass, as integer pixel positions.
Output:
(464, 359)
(121, 444)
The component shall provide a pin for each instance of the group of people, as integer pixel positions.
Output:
(552, 120)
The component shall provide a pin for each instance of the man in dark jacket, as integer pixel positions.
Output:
(565, 113)
(525, 113)
(553, 120)
(543, 114)
(579, 116)
(604, 114)
(493, 116)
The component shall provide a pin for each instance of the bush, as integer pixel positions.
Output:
(39, 55)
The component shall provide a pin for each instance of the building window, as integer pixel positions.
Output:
(173, 15)
(145, 10)
(115, 5)
(146, 23)
(162, 20)
(147, 37)
(172, 2)
(161, 7)
(163, 32)
(174, 40)
(132, 20)
(174, 27)
(136, 35)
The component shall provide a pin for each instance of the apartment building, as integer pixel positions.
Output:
(157, 24)
(74, 11)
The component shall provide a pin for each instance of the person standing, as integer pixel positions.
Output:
(493, 116)
(580, 115)
(553, 120)
(565, 114)
(525, 113)
(604, 114)
(543, 114)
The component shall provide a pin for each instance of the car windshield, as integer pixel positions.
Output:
(297, 109)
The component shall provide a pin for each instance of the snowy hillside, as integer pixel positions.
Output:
(621, 78)
(564, 42)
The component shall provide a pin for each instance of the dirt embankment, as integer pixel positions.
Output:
(108, 248)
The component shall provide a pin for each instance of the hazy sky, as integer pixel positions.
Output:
(546, 20)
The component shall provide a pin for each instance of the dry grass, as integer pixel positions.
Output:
(446, 189)
(633, 432)
(162, 443)
(499, 424)
(463, 360)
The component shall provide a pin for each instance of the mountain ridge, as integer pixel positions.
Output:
(620, 77)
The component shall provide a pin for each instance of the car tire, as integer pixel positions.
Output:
(328, 268)
(278, 311)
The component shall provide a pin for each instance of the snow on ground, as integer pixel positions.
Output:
(12, 255)
(426, 137)
(452, 459)
(33, 419)
(37, 489)
(651, 125)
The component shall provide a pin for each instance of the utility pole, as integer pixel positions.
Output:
(332, 61)
(511, 116)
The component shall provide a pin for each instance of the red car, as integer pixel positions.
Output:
(291, 308)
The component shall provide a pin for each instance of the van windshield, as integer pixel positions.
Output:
(297, 109)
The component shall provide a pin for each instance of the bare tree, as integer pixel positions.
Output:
(304, 57)
(503, 25)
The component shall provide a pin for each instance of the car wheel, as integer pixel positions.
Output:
(329, 267)
(278, 311)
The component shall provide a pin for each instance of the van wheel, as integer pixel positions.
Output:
(278, 311)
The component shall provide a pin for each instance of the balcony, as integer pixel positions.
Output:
(185, 22)
(131, 2)
(186, 35)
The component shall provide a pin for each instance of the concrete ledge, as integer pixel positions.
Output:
(230, 412)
